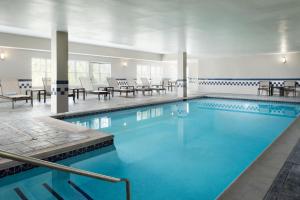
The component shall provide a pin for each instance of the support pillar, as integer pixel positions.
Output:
(59, 78)
(182, 74)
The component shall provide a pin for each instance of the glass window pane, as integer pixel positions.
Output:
(40, 68)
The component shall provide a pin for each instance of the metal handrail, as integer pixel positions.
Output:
(38, 162)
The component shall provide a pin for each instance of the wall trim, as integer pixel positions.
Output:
(80, 54)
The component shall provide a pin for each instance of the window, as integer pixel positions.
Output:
(77, 69)
(40, 68)
(100, 72)
(143, 71)
(151, 72)
(170, 70)
(156, 74)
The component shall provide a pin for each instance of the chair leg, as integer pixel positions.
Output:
(13, 104)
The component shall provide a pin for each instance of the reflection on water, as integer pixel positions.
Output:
(114, 121)
(288, 110)
(149, 113)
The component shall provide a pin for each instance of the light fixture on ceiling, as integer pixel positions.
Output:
(2, 55)
(283, 59)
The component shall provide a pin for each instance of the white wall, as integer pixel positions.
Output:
(20, 50)
(264, 66)
(256, 66)
(246, 67)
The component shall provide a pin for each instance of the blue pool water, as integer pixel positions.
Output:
(183, 150)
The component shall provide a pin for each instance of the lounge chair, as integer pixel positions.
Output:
(10, 90)
(166, 82)
(289, 86)
(87, 84)
(47, 88)
(112, 82)
(264, 86)
(137, 88)
(158, 88)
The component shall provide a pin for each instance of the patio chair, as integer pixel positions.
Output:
(10, 90)
(112, 82)
(264, 86)
(87, 84)
(158, 88)
(166, 82)
(289, 86)
(137, 88)
(47, 88)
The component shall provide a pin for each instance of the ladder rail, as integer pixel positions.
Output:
(59, 167)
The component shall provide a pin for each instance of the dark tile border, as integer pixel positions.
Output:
(250, 99)
(108, 110)
(55, 158)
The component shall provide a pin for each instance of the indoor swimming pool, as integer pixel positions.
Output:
(190, 149)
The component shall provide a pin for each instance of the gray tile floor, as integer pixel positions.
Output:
(24, 110)
(31, 135)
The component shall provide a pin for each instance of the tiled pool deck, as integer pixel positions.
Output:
(31, 131)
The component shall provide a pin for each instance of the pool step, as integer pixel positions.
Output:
(65, 190)
(76, 187)
(53, 192)
(20, 194)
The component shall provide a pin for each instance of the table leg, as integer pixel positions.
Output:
(39, 96)
(44, 96)
(77, 93)
(31, 95)
(26, 94)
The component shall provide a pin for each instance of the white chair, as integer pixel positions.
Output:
(157, 88)
(290, 86)
(89, 88)
(113, 83)
(10, 90)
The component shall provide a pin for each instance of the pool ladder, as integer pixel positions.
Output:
(42, 163)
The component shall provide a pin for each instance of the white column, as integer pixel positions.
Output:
(59, 79)
(182, 74)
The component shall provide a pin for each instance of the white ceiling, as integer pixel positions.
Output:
(213, 27)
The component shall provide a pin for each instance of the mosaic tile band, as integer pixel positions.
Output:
(59, 89)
